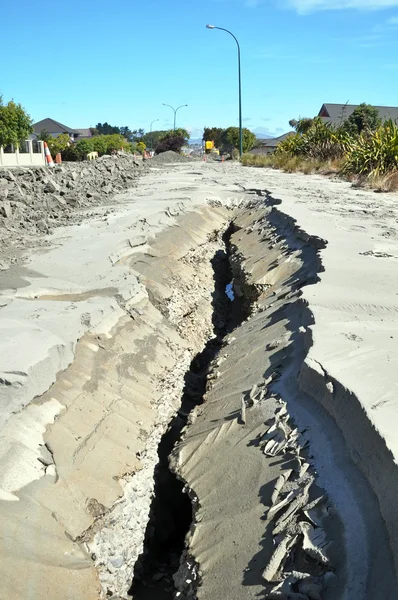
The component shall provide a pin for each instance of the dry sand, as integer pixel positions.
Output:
(76, 517)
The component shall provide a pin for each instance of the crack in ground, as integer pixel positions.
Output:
(171, 514)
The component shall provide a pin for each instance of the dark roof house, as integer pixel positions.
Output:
(337, 113)
(84, 133)
(54, 128)
(268, 146)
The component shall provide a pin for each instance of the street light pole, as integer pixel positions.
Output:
(175, 111)
(240, 86)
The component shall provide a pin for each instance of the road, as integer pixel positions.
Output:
(98, 332)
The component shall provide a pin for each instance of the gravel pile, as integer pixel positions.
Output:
(169, 157)
(35, 200)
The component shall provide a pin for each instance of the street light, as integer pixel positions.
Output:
(150, 131)
(175, 111)
(240, 86)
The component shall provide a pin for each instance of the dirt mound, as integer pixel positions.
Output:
(35, 200)
(170, 157)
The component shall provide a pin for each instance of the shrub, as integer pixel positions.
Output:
(230, 139)
(373, 153)
(170, 142)
(137, 148)
(293, 145)
(99, 144)
(58, 144)
(15, 123)
(70, 154)
(116, 142)
(364, 118)
(321, 141)
(82, 148)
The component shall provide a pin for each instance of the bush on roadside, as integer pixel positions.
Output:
(170, 142)
(58, 144)
(230, 139)
(99, 144)
(137, 147)
(70, 154)
(116, 142)
(287, 162)
(373, 153)
(82, 148)
(321, 141)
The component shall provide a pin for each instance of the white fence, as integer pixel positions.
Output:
(33, 156)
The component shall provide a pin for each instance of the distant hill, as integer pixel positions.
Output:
(195, 141)
(263, 136)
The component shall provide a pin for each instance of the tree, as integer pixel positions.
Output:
(137, 135)
(137, 147)
(44, 136)
(116, 142)
(230, 139)
(174, 139)
(15, 124)
(83, 148)
(99, 144)
(127, 133)
(180, 132)
(364, 118)
(302, 125)
(152, 138)
(106, 129)
(141, 147)
(170, 142)
(213, 134)
(58, 144)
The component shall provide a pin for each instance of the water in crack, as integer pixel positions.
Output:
(171, 509)
(229, 290)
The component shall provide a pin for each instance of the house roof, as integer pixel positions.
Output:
(335, 113)
(273, 142)
(84, 132)
(53, 126)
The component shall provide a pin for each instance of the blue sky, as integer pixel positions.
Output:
(81, 62)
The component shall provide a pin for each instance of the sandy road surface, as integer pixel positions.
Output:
(340, 384)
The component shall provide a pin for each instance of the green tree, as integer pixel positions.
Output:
(44, 136)
(170, 142)
(127, 133)
(364, 118)
(83, 148)
(116, 142)
(106, 129)
(302, 125)
(213, 134)
(176, 133)
(15, 123)
(99, 144)
(58, 144)
(137, 135)
(152, 138)
(230, 139)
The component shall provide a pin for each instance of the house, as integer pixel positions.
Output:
(84, 133)
(270, 145)
(54, 128)
(335, 114)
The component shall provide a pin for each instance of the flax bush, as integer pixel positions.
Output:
(372, 153)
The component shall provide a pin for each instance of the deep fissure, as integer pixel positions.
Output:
(171, 513)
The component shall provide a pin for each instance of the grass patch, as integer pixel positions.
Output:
(292, 164)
